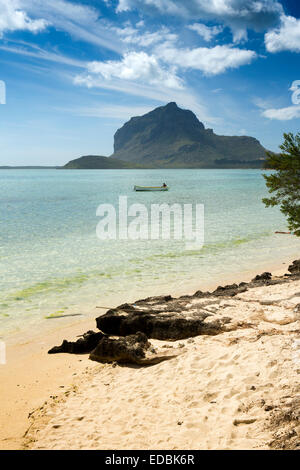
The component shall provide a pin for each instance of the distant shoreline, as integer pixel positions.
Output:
(30, 167)
(79, 169)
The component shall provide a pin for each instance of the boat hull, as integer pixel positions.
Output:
(151, 188)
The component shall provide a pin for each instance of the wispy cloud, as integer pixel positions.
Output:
(160, 94)
(283, 114)
(82, 22)
(32, 50)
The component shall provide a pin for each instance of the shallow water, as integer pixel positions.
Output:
(53, 264)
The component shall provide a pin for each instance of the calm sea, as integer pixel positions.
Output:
(52, 264)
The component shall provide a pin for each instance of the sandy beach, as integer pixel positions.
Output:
(226, 391)
(150, 227)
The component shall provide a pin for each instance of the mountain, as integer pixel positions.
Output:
(171, 137)
(95, 162)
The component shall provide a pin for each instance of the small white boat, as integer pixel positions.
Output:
(151, 188)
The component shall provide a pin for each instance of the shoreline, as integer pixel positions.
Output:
(188, 287)
(33, 380)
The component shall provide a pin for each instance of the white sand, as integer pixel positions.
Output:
(212, 396)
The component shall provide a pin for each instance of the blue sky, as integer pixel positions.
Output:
(75, 71)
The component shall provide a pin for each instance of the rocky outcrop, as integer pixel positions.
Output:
(166, 318)
(230, 290)
(253, 365)
(262, 277)
(83, 345)
(174, 322)
(130, 349)
(294, 268)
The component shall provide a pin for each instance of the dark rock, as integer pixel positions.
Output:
(159, 299)
(185, 297)
(294, 268)
(130, 349)
(200, 295)
(86, 344)
(174, 322)
(229, 290)
(262, 277)
(269, 408)
(225, 288)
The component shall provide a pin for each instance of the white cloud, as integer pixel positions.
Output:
(167, 6)
(239, 15)
(140, 24)
(283, 114)
(211, 61)
(286, 37)
(130, 35)
(137, 66)
(206, 32)
(82, 22)
(12, 18)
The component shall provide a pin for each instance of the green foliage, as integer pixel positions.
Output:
(284, 183)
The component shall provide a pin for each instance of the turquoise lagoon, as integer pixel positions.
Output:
(53, 265)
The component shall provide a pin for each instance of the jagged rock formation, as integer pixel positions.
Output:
(85, 344)
(294, 268)
(173, 321)
(132, 349)
(170, 319)
(170, 137)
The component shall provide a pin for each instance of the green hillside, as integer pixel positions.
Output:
(95, 162)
